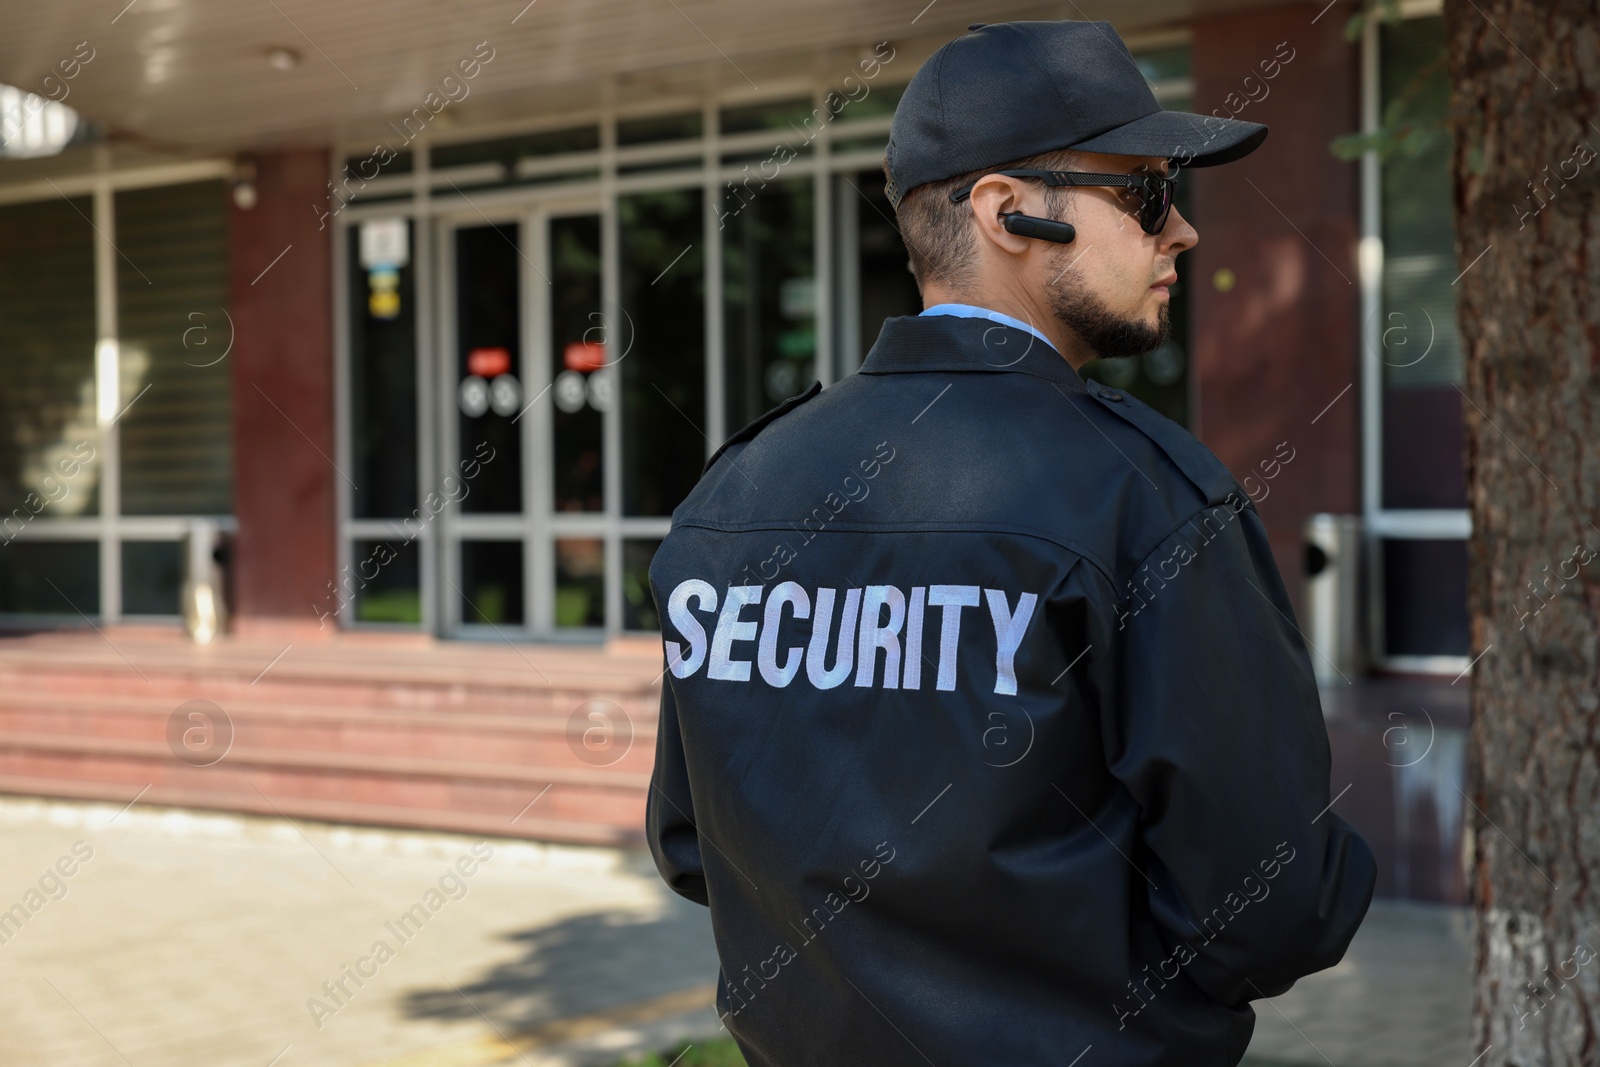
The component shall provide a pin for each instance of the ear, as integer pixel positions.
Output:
(995, 194)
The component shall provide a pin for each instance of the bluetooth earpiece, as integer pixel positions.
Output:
(1044, 229)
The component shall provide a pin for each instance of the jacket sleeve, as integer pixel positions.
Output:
(669, 810)
(1216, 729)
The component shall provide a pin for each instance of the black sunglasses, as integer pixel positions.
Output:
(1155, 191)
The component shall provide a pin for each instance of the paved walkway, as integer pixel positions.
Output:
(197, 940)
(1399, 998)
(185, 939)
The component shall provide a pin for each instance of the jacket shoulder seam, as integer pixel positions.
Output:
(1192, 458)
(1205, 508)
(754, 427)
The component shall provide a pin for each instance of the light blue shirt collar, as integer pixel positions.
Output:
(973, 311)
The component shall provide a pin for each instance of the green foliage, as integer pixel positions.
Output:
(1378, 10)
(1414, 120)
(720, 1053)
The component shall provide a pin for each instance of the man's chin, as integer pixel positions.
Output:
(1110, 336)
(1139, 337)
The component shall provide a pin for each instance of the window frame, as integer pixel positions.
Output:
(1380, 523)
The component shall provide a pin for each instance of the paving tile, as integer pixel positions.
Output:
(203, 950)
(1400, 996)
(201, 947)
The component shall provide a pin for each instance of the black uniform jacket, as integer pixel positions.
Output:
(987, 733)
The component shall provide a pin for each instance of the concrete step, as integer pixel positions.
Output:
(487, 691)
(374, 729)
(335, 781)
(521, 824)
(597, 734)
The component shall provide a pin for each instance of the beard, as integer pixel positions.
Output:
(1102, 330)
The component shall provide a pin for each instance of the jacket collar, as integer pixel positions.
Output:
(909, 343)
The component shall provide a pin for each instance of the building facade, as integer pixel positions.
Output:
(448, 365)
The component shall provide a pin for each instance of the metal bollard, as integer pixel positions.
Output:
(205, 612)
(1334, 619)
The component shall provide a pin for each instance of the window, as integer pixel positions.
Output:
(177, 439)
(1415, 481)
(111, 441)
(1420, 352)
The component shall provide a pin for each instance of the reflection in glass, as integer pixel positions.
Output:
(580, 582)
(638, 605)
(173, 328)
(508, 150)
(50, 444)
(50, 578)
(152, 576)
(491, 583)
(658, 128)
(769, 292)
(1422, 430)
(663, 366)
(374, 164)
(760, 165)
(392, 590)
(875, 142)
(383, 384)
(1425, 598)
(1165, 64)
(579, 350)
(877, 101)
(769, 115)
(488, 389)
(886, 285)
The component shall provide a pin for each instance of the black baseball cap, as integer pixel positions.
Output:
(1009, 90)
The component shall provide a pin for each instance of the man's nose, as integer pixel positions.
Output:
(1177, 235)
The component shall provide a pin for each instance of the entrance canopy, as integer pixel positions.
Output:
(191, 75)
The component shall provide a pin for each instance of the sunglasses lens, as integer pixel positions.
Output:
(1155, 201)
(1160, 204)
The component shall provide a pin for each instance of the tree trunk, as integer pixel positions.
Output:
(1525, 80)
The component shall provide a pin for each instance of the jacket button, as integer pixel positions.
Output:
(1110, 394)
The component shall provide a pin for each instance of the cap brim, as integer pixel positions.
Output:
(1191, 140)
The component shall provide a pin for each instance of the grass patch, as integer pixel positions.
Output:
(722, 1052)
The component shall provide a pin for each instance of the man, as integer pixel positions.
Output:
(986, 733)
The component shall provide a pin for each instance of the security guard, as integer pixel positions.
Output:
(987, 734)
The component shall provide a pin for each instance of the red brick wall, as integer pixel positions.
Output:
(1272, 352)
(284, 553)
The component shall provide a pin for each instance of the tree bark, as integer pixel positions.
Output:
(1525, 81)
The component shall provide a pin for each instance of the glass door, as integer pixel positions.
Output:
(580, 346)
(482, 474)
(524, 386)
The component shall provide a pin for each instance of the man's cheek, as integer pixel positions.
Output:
(1133, 290)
